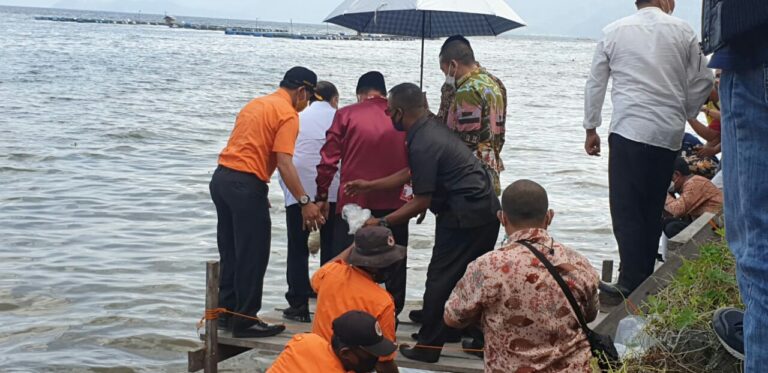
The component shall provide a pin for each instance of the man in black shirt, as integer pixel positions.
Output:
(449, 180)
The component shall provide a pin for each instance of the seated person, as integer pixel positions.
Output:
(528, 323)
(706, 166)
(351, 282)
(697, 196)
(356, 345)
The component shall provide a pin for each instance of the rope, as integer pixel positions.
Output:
(213, 314)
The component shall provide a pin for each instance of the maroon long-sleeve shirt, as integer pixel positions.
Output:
(363, 139)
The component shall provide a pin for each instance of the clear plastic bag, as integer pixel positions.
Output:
(313, 242)
(631, 338)
(355, 216)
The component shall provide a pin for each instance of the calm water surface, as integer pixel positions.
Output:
(108, 138)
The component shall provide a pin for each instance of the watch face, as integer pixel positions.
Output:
(304, 200)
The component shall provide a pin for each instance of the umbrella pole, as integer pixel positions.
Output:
(423, 35)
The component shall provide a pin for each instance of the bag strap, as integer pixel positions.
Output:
(563, 285)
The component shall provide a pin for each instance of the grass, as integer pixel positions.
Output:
(680, 317)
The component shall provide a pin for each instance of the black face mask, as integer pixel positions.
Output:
(398, 124)
(366, 365)
(384, 274)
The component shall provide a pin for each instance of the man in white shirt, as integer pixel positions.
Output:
(313, 123)
(660, 80)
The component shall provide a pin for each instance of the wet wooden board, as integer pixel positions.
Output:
(451, 360)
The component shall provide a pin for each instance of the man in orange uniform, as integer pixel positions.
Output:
(356, 345)
(350, 282)
(263, 140)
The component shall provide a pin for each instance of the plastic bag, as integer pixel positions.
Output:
(313, 242)
(355, 216)
(631, 338)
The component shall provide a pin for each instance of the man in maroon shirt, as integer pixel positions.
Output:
(369, 148)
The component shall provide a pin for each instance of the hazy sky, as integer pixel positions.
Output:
(550, 17)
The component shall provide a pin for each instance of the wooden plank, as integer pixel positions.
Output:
(684, 246)
(607, 271)
(196, 358)
(211, 364)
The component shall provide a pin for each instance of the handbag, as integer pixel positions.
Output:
(602, 346)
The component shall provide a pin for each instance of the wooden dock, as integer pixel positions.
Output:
(224, 346)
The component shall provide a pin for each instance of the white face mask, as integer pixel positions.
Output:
(671, 188)
(450, 80)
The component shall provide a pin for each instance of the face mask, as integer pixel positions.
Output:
(398, 124)
(450, 80)
(671, 188)
(302, 104)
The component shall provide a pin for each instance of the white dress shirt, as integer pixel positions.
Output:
(660, 78)
(314, 121)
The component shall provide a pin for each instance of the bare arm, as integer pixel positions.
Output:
(394, 181)
(311, 214)
(705, 132)
(413, 208)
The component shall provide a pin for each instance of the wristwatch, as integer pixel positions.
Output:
(304, 200)
(383, 222)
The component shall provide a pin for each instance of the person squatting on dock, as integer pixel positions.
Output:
(356, 345)
(528, 323)
(350, 282)
(262, 140)
(660, 80)
(697, 195)
(314, 121)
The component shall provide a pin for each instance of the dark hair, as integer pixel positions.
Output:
(525, 201)
(457, 48)
(296, 85)
(406, 96)
(326, 90)
(638, 2)
(682, 167)
(371, 81)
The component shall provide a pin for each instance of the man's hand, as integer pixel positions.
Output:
(356, 187)
(312, 217)
(707, 151)
(592, 144)
(324, 208)
(372, 222)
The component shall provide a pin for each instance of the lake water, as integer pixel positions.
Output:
(108, 138)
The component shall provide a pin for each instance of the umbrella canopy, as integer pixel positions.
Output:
(427, 18)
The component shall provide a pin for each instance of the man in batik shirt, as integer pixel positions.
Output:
(473, 104)
(529, 324)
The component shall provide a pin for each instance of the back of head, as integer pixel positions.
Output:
(457, 48)
(682, 167)
(371, 81)
(299, 76)
(525, 202)
(406, 96)
(324, 91)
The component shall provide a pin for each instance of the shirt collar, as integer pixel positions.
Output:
(530, 234)
(650, 9)
(476, 71)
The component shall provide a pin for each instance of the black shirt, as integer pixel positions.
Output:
(443, 166)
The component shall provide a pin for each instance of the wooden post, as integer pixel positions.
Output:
(211, 326)
(607, 271)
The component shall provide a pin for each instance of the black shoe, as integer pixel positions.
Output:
(729, 328)
(300, 314)
(473, 344)
(452, 338)
(420, 354)
(258, 329)
(613, 294)
(416, 316)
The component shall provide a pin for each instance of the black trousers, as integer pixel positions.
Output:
(297, 269)
(453, 251)
(396, 284)
(673, 226)
(243, 234)
(638, 178)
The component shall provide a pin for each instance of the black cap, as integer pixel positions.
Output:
(371, 80)
(299, 76)
(375, 248)
(359, 329)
